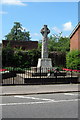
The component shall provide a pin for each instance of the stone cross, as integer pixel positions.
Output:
(45, 31)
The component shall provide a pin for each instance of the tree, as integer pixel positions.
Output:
(63, 44)
(52, 43)
(18, 33)
(58, 43)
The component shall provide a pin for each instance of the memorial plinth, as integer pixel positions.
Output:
(44, 61)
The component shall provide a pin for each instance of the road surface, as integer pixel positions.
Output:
(60, 105)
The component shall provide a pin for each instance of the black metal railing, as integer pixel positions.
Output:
(36, 76)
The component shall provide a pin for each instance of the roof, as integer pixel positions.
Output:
(75, 29)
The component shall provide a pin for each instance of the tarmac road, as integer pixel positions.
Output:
(60, 105)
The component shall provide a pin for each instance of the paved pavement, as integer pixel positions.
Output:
(38, 89)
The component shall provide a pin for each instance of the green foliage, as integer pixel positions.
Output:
(7, 56)
(63, 44)
(73, 60)
(39, 45)
(58, 43)
(14, 68)
(33, 56)
(17, 33)
(19, 58)
(52, 43)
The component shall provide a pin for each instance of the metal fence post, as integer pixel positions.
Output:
(2, 79)
(40, 72)
(13, 77)
(71, 76)
(56, 76)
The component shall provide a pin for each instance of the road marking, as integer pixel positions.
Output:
(41, 102)
(71, 94)
(33, 98)
(26, 103)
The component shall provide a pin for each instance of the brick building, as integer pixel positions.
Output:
(75, 38)
(25, 45)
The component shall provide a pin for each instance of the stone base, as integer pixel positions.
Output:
(34, 69)
(44, 64)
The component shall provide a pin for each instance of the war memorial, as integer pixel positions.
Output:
(43, 73)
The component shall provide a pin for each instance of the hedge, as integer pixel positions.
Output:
(73, 59)
(26, 59)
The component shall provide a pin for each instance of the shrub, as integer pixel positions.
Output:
(33, 56)
(7, 56)
(73, 60)
(19, 58)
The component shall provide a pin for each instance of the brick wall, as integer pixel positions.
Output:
(75, 40)
(26, 45)
(79, 38)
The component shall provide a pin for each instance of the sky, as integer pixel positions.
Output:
(58, 16)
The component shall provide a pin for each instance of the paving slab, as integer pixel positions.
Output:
(38, 89)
